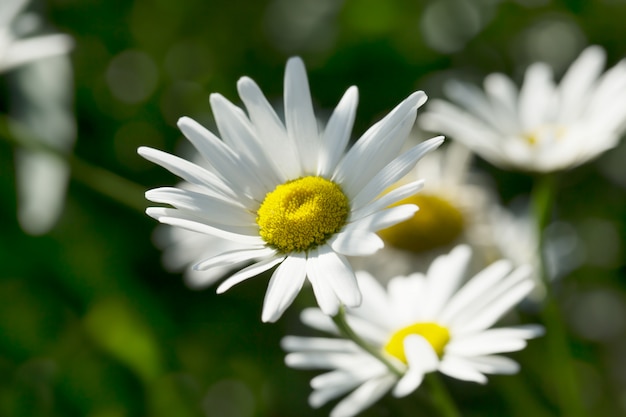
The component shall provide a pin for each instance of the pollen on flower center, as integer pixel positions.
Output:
(438, 337)
(302, 214)
(437, 223)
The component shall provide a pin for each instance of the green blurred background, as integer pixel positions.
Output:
(90, 322)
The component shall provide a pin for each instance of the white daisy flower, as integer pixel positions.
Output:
(543, 127)
(289, 193)
(421, 324)
(453, 207)
(15, 52)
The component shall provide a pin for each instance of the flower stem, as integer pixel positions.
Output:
(440, 396)
(346, 331)
(559, 352)
(98, 179)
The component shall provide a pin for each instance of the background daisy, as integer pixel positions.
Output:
(454, 208)
(543, 126)
(422, 323)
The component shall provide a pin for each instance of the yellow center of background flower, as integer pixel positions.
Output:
(438, 337)
(437, 223)
(546, 132)
(302, 214)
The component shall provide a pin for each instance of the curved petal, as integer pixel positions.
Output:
(356, 243)
(249, 272)
(393, 172)
(234, 257)
(337, 271)
(225, 160)
(269, 129)
(337, 133)
(324, 294)
(284, 286)
(364, 396)
(377, 147)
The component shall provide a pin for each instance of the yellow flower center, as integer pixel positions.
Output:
(437, 223)
(545, 133)
(438, 337)
(302, 214)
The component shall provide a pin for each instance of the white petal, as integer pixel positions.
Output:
(488, 316)
(337, 133)
(578, 81)
(462, 369)
(299, 116)
(26, 50)
(385, 218)
(421, 359)
(387, 200)
(444, 276)
(376, 306)
(317, 344)
(238, 133)
(474, 288)
(345, 376)
(189, 172)
(235, 257)
(249, 272)
(335, 269)
(356, 243)
(269, 129)
(324, 293)
(225, 160)
(364, 396)
(507, 339)
(474, 100)
(284, 286)
(394, 171)
(536, 96)
(330, 360)
(494, 365)
(377, 147)
(487, 308)
(203, 205)
(316, 319)
(186, 220)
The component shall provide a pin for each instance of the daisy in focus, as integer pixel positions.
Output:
(290, 194)
(453, 208)
(542, 127)
(420, 324)
(15, 51)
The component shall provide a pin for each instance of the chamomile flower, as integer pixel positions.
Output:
(421, 324)
(542, 127)
(289, 193)
(453, 207)
(15, 51)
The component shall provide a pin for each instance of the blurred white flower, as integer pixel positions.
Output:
(290, 194)
(514, 236)
(543, 127)
(453, 209)
(41, 100)
(16, 51)
(422, 323)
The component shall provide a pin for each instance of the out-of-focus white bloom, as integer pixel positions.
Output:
(15, 51)
(41, 100)
(453, 209)
(514, 236)
(289, 193)
(422, 323)
(543, 127)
